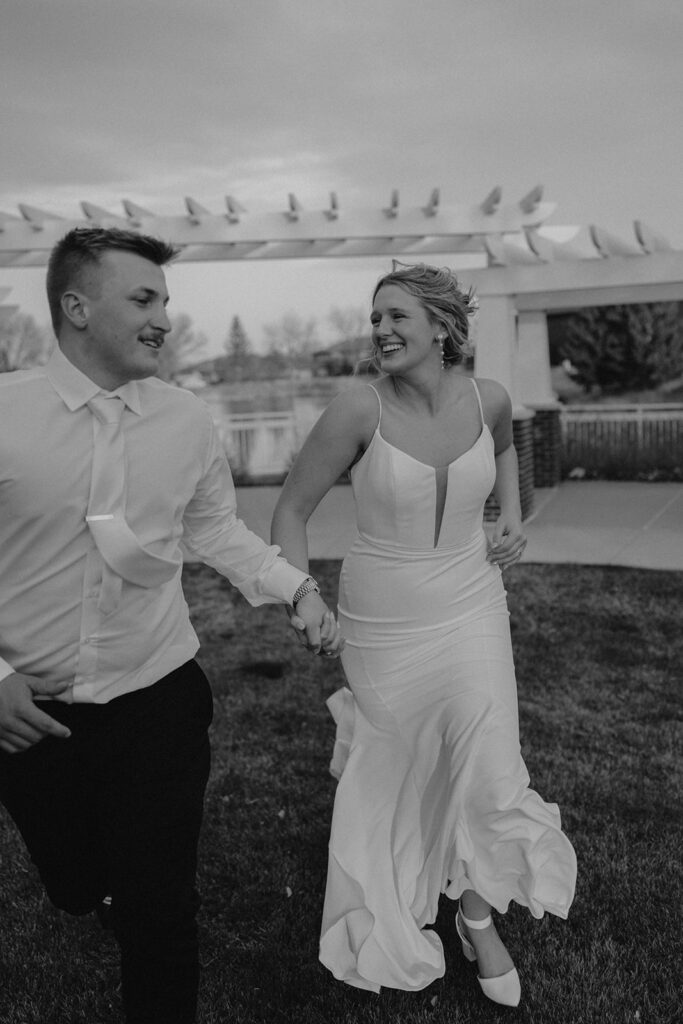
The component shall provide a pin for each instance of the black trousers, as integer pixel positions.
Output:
(116, 810)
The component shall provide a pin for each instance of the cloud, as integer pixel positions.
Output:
(155, 99)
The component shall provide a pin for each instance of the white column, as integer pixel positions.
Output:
(495, 340)
(533, 385)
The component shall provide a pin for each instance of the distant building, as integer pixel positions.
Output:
(190, 379)
(342, 358)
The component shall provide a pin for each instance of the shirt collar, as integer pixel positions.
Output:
(76, 389)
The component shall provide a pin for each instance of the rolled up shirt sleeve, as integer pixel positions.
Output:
(214, 533)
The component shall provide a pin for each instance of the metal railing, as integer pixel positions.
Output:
(622, 438)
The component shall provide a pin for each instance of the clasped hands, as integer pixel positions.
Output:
(507, 542)
(316, 627)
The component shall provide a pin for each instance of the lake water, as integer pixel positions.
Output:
(263, 424)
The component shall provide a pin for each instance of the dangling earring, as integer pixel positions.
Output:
(441, 338)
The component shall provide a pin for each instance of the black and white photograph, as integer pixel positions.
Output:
(341, 512)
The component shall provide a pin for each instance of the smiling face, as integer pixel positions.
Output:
(123, 320)
(402, 332)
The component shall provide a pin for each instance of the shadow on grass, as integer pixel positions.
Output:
(598, 655)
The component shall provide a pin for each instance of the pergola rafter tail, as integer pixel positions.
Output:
(502, 235)
(294, 232)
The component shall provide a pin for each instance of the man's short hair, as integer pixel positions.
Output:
(82, 248)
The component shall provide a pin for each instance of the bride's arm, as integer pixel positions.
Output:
(507, 540)
(342, 432)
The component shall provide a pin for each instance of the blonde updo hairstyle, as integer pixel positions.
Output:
(446, 304)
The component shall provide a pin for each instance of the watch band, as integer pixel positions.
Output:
(307, 587)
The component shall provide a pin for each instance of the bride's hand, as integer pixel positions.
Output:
(507, 542)
(331, 640)
(318, 633)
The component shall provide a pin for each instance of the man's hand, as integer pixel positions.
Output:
(22, 723)
(316, 626)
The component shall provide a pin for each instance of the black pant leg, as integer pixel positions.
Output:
(48, 792)
(116, 809)
(150, 809)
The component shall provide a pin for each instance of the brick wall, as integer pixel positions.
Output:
(523, 436)
(547, 431)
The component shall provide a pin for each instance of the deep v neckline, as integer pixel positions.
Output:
(441, 473)
(428, 465)
(441, 476)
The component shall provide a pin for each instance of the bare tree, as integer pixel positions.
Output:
(350, 323)
(23, 343)
(184, 347)
(352, 346)
(292, 337)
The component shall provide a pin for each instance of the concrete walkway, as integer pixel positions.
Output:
(587, 523)
(608, 523)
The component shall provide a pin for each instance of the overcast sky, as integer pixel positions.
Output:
(153, 100)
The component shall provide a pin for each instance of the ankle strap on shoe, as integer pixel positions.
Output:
(484, 923)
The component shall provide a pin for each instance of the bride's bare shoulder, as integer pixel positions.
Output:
(494, 397)
(355, 409)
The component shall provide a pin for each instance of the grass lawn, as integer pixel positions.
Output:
(599, 655)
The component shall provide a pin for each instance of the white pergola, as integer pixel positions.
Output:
(294, 232)
(526, 268)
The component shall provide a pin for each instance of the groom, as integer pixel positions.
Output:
(104, 753)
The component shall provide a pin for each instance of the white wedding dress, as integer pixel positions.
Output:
(433, 793)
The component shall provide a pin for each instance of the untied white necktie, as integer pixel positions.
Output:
(125, 558)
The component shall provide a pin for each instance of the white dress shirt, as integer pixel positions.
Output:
(179, 486)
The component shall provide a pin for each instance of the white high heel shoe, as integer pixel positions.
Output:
(504, 989)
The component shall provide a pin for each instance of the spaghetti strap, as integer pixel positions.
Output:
(481, 408)
(379, 400)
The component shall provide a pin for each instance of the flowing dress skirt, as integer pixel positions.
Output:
(433, 795)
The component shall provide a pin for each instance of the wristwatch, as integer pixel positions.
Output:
(307, 587)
